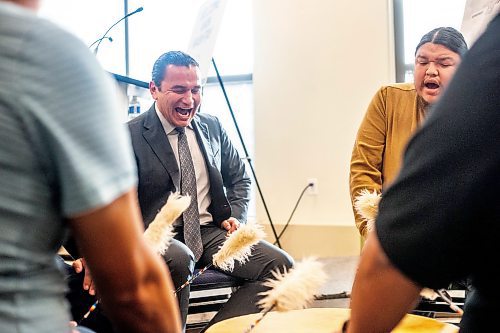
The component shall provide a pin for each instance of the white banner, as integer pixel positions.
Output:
(205, 31)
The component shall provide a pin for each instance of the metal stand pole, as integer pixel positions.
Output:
(247, 157)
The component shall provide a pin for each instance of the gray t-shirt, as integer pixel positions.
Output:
(64, 150)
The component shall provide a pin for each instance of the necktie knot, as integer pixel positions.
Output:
(180, 130)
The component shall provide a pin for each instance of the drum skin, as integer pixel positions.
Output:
(320, 320)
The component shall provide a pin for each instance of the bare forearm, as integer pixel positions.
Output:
(152, 307)
(133, 283)
(381, 294)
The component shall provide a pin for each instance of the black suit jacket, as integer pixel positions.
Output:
(159, 174)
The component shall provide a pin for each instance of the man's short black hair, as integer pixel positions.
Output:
(176, 58)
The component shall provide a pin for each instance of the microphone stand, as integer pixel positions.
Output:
(111, 27)
(125, 11)
(247, 157)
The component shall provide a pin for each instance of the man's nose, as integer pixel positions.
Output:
(431, 69)
(187, 97)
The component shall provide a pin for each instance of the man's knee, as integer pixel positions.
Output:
(277, 260)
(180, 259)
(283, 260)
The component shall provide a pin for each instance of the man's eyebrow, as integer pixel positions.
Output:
(178, 86)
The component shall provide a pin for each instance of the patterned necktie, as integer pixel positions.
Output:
(191, 216)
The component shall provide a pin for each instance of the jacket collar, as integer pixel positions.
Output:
(155, 136)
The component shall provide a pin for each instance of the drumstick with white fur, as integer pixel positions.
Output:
(237, 247)
(160, 232)
(366, 205)
(292, 290)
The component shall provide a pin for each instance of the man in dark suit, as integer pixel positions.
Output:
(219, 184)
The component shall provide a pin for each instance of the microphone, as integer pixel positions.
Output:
(108, 38)
(104, 36)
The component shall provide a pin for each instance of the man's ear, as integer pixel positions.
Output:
(153, 89)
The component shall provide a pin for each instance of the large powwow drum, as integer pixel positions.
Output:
(320, 320)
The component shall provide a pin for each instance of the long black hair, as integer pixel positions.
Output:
(449, 37)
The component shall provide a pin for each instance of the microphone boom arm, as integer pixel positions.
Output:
(99, 41)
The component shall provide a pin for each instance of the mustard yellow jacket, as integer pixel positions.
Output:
(391, 118)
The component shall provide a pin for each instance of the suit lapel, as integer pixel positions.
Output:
(203, 137)
(155, 136)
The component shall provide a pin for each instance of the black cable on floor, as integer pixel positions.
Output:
(293, 211)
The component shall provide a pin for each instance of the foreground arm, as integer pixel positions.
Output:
(134, 284)
(381, 294)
